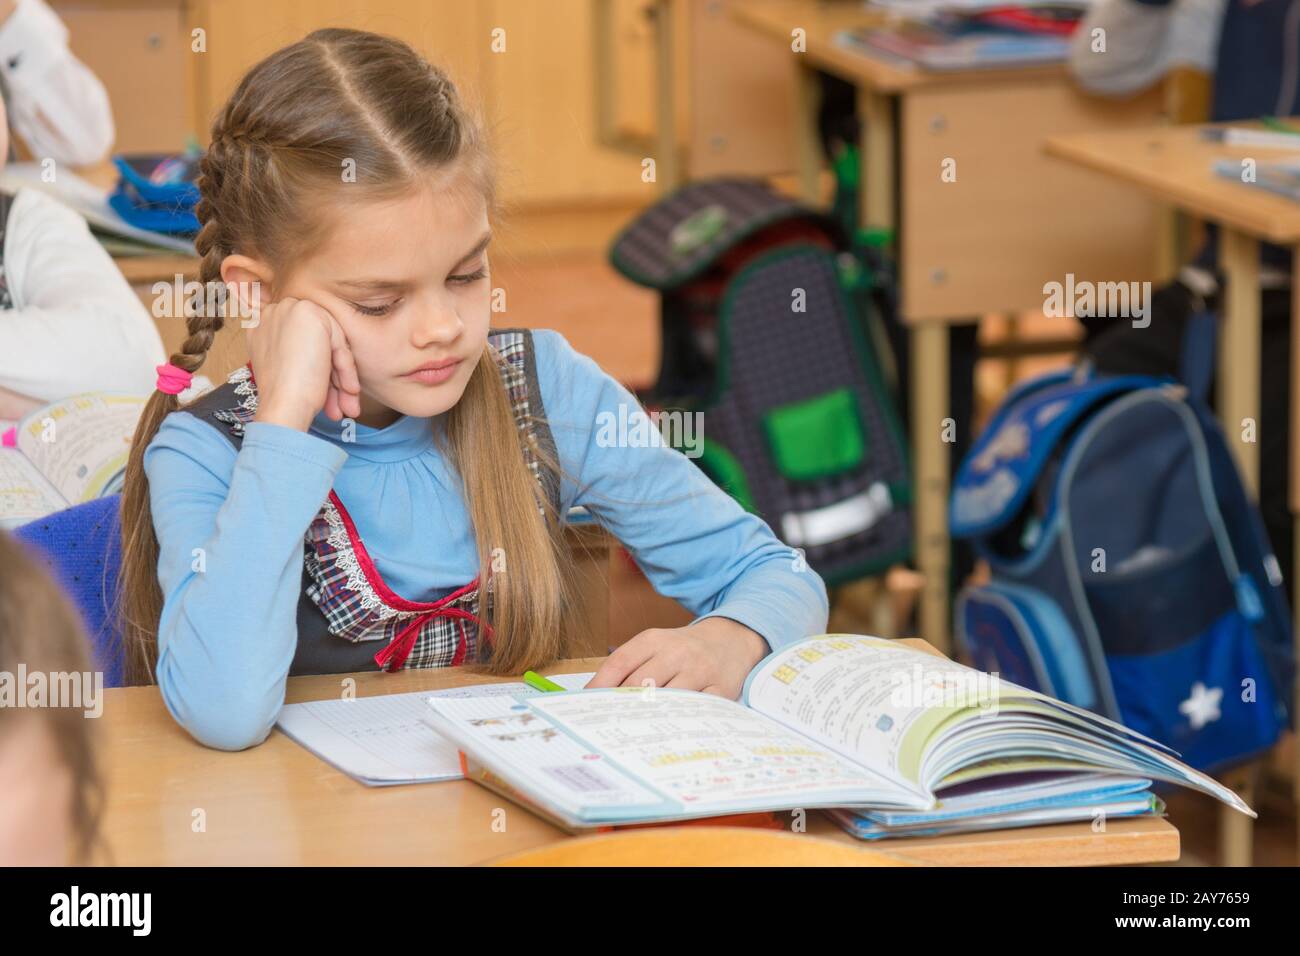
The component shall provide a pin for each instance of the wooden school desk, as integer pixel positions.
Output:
(278, 804)
(1175, 165)
(986, 243)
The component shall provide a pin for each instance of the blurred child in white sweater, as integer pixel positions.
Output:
(57, 106)
(69, 321)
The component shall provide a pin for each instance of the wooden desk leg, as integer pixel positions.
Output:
(930, 401)
(1239, 372)
(808, 141)
(1236, 830)
(1170, 240)
(1239, 367)
(879, 179)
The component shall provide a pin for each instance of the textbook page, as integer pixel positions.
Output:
(536, 762)
(81, 443)
(869, 699)
(921, 718)
(1029, 727)
(385, 740)
(703, 755)
(25, 494)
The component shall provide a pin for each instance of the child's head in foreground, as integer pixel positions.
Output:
(50, 794)
(345, 173)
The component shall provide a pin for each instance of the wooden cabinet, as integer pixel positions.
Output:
(141, 51)
(538, 93)
(740, 107)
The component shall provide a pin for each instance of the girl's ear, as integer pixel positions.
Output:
(249, 280)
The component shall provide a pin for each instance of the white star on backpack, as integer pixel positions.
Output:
(1202, 706)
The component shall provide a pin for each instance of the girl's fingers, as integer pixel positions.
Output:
(684, 682)
(653, 673)
(622, 662)
(344, 364)
(347, 369)
(332, 409)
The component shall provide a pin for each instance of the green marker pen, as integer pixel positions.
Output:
(538, 682)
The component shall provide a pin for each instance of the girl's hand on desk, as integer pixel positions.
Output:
(714, 655)
(302, 364)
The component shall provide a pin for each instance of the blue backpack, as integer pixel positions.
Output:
(1131, 574)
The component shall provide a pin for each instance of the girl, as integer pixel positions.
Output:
(47, 767)
(384, 485)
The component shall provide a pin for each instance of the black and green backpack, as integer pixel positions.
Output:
(767, 332)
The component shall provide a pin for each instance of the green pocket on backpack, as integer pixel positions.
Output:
(818, 437)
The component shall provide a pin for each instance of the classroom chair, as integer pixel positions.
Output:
(81, 547)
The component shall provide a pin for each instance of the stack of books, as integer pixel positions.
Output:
(971, 35)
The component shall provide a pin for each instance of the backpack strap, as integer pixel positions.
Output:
(1004, 465)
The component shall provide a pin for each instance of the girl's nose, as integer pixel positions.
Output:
(435, 324)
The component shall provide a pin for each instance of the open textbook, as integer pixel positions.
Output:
(66, 453)
(856, 723)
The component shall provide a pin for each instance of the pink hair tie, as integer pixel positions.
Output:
(10, 438)
(173, 380)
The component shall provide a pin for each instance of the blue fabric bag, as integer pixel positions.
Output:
(147, 203)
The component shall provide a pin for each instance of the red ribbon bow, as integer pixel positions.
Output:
(393, 657)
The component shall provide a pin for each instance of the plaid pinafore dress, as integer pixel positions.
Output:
(348, 618)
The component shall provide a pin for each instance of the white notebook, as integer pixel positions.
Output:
(385, 740)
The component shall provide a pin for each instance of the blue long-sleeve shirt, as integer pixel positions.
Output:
(230, 528)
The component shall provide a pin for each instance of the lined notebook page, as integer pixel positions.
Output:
(383, 740)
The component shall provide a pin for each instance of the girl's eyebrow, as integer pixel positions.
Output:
(478, 247)
(377, 285)
(383, 285)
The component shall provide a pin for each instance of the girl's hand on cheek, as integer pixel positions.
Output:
(714, 655)
(302, 364)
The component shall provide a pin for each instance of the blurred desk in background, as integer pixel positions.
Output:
(1176, 165)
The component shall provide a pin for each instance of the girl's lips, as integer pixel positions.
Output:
(433, 376)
